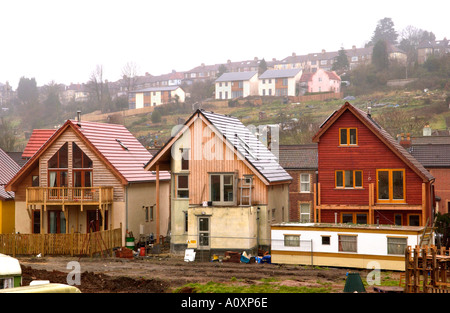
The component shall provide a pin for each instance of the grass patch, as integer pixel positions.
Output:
(267, 286)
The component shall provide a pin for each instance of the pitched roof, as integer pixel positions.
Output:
(298, 156)
(8, 168)
(150, 89)
(382, 134)
(236, 76)
(244, 142)
(113, 143)
(37, 139)
(280, 73)
(432, 155)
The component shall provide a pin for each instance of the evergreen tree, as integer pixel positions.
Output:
(380, 58)
(262, 67)
(341, 61)
(384, 31)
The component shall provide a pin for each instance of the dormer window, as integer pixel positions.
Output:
(348, 136)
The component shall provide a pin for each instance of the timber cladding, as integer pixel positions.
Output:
(213, 155)
(368, 155)
(102, 176)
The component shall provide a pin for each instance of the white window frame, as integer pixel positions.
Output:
(303, 182)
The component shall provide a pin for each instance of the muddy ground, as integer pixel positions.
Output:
(164, 274)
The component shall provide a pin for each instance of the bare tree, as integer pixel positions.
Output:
(98, 88)
(130, 74)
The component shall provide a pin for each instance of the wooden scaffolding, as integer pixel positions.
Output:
(427, 270)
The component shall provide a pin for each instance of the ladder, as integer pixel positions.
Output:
(427, 234)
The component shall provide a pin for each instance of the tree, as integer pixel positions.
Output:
(380, 57)
(29, 106)
(384, 31)
(341, 61)
(262, 67)
(7, 137)
(130, 75)
(410, 39)
(222, 69)
(98, 89)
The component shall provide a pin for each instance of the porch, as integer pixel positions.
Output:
(49, 208)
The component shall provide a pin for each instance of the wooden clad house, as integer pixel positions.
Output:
(8, 168)
(366, 177)
(87, 177)
(227, 187)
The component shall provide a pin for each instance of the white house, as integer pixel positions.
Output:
(279, 82)
(154, 96)
(237, 84)
(343, 245)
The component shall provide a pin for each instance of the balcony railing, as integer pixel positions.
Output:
(69, 195)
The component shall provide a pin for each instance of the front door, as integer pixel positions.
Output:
(203, 233)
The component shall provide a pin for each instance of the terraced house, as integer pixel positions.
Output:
(236, 84)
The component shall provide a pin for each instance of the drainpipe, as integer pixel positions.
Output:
(257, 228)
(126, 207)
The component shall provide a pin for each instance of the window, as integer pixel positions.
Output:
(292, 240)
(348, 179)
(304, 212)
(391, 185)
(326, 240)
(348, 243)
(305, 183)
(186, 221)
(354, 218)
(182, 186)
(184, 159)
(35, 181)
(348, 137)
(398, 219)
(414, 220)
(222, 189)
(60, 158)
(285, 81)
(396, 245)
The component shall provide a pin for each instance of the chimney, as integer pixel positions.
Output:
(293, 54)
(78, 116)
(323, 51)
(405, 142)
(256, 58)
(427, 130)
(228, 61)
(354, 47)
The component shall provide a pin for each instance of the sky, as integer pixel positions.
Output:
(64, 40)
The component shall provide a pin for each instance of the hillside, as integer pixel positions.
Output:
(397, 111)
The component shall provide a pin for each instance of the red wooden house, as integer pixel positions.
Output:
(366, 177)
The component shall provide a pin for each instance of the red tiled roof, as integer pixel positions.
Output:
(37, 139)
(117, 145)
(113, 143)
(8, 168)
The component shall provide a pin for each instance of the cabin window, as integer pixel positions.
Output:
(182, 186)
(304, 212)
(414, 220)
(396, 245)
(305, 183)
(60, 158)
(292, 240)
(222, 189)
(348, 136)
(35, 181)
(398, 219)
(348, 243)
(391, 185)
(348, 179)
(354, 218)
(326, 240)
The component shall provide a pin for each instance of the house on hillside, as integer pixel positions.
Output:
(153, 96)
(8, 168)
(236, 85)
(227, 187)
(366, 176)
(279, 82)
(320, 81)
(435, 48)
(87, 177)
(300, 161)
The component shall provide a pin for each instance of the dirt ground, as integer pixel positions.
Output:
(165, 273)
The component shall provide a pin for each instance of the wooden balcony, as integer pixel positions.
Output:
(69, 195)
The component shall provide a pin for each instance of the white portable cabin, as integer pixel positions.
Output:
(10, 272)
(343, 245)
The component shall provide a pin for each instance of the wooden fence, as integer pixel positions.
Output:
(427, 270)
(73, 244)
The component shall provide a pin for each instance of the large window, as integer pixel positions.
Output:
(391, 185)
(354, 218)
(348, 136)
(396, 245)
(348, 179)
(348, 243)
(58, 173)
(292, 240)
(222, 189)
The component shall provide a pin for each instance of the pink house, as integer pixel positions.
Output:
(320, 81)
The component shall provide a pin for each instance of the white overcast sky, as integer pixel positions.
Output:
(64, 40)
